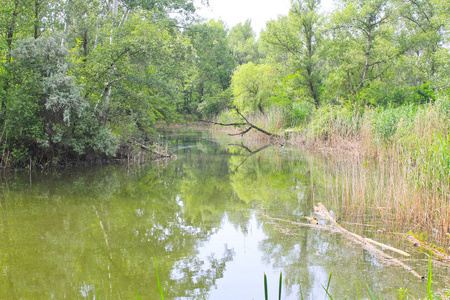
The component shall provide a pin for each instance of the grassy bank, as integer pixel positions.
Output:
(410, 144)
(414, 144)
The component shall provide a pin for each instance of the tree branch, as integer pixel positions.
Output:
(241, 133)
(222, 124)
(247, 122)
(256, 127)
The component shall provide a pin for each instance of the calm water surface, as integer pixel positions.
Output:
(94, 233)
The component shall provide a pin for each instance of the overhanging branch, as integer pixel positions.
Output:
(241, 133)
(222, 124)
(247, 122)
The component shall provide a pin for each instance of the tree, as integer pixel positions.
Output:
(298, 36)
(252, 86)
(47, 117)
(242, 43)
(211, 67)
(423, 33)
(362, 46)
(119, 75)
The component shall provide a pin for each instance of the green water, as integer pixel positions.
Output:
(93, 232)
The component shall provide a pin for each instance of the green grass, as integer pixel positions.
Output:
(159, 282)
(266, 290)
(402, 294)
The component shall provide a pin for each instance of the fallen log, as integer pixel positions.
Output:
(388, 247)
(322, 212)
(314, 226)
(366, 244)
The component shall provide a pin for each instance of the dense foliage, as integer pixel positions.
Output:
(82, 80)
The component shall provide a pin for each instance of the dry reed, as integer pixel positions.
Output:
(399, 168)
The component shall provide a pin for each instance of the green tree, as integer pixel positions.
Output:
(298, 37)
(46, 114)
(243, 45)
(361, 50)
(424, 34)
(212, 64)
(253, 86)
(119, 75)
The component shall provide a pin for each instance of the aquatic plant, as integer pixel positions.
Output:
(266, 290)
(159, 282)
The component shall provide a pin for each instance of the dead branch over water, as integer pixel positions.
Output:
(246, 123)
(366, 244)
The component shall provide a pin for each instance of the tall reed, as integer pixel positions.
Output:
(410, 144)
(411, 147)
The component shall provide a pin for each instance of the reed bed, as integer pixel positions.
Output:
(399, 166)
(409, 145)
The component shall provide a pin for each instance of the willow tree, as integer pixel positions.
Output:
(253, 86)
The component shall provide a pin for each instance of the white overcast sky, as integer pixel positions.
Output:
(233, 12)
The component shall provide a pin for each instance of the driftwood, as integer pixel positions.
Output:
(388, 247)
(365, 243)
(308, 225)
(246, 123)
(322, 212)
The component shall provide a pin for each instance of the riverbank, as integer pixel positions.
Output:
(410, 144)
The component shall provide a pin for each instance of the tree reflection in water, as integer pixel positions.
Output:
(93, 232)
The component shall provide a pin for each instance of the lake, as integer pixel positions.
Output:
(205, 220)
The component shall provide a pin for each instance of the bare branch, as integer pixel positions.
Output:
(247, 122)
(222, 124)
(241, 133)
(256, 127)
(242, 146)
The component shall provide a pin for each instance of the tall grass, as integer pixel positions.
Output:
(411, 145)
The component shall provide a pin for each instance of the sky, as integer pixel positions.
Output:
(233, 12)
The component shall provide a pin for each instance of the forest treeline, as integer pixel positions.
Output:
(86, 79)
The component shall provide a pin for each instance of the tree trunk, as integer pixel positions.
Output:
(85, 45)
(261, 109)
(66, 23)
(10, 29)
(367, 63)
(115, 7)
(105, 104)
(37, 5)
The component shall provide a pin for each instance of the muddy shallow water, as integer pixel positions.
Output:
(95, 233)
